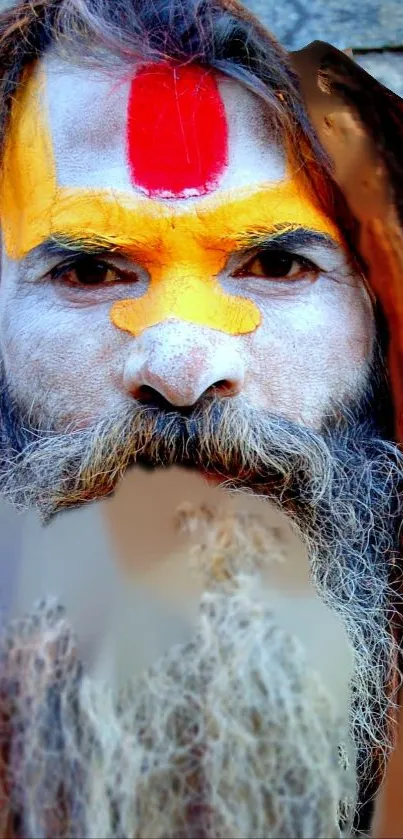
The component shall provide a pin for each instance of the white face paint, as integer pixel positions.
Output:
(88, 116)
(66, 359)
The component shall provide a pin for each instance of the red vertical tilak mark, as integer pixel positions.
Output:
(177, 130)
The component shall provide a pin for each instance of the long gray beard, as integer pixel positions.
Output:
(228, 735)
(341, 488)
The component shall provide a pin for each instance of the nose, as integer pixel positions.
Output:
(178, 364)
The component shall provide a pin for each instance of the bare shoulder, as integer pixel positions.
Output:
(37, 658)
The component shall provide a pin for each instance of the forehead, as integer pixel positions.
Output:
(157, 130)
(77, 163)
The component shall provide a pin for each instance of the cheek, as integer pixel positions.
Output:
(311, 351)
(62, 364)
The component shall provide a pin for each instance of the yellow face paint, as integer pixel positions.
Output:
(184, 250)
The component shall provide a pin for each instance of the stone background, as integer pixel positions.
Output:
(364, 24)
(373, 29)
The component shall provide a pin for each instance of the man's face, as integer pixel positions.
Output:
(211, 268)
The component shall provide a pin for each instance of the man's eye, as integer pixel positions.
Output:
(87, 272)
(277, 264)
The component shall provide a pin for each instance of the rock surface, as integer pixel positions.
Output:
(368, 24)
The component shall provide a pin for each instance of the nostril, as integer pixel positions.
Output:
(223, 387)
(149, 396)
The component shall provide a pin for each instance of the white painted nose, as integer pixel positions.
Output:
(180, 362)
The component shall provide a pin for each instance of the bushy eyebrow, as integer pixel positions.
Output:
(61, 246)
(285, 237)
